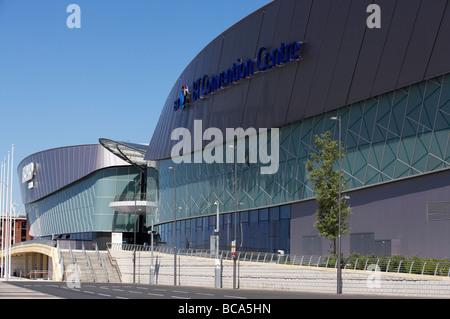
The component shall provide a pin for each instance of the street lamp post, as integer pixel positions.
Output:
(339, 271)
(235, 212)
(218, 268)
(175, 225)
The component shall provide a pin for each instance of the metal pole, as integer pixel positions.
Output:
(175, 225)
(152, 268)
(339, 271)
(2, 221)
(235, 215)
(5, 187)
(7, 239)
(218, 270)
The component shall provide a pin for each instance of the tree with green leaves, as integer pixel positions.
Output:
(324, 176)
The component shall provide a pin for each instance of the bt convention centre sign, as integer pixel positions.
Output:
(265, 60)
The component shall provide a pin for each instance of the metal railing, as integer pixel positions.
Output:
(101, 262)
(383, 264)
(88, 264)
(130, 197)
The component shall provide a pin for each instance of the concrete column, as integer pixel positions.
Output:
(27, 270)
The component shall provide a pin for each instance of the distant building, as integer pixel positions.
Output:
(19, 229)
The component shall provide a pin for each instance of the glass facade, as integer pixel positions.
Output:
(394, 135)
(83, 207)
(257, 230)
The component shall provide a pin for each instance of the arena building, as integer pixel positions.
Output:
(275, 80)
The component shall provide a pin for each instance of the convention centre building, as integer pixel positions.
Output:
(239, 125)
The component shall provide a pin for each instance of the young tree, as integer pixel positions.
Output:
(325, 179)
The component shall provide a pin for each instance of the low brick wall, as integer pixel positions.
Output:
(194, 271)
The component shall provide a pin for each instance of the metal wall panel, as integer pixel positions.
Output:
(392, 211)
(370, 55)
(313, 41)
(439, 61)
(342, 62)
(347, 56)
(326, 61)
(57, 168)
(396, 44)
(422, 41)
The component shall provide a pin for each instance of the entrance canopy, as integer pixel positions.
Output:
(130, 152)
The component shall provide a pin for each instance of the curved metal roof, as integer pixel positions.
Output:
(59, 167)
(343, 62)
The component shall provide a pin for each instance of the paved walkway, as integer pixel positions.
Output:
(8, 291)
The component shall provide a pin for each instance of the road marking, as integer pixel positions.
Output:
(203, 294)
(105, 295)
(158, 289)
(179, 297)
(181, 292)
(134, 292)
(152, 294)
(117, 289)
(235, 297)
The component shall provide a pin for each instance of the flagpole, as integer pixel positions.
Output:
(10, 208)
(7, 221)
(1, 213)
(5, 187)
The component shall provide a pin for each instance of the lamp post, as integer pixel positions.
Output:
(175, 225)
(218, 268)
(235, 212)
(339, 272)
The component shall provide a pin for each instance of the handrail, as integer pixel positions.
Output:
(132, 197)
(113, 262)
(102, 262)
(74, 263)
(88, 263)
(384, 264)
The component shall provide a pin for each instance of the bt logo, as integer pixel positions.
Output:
(183, 100)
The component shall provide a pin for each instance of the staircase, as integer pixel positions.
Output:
(90, 267)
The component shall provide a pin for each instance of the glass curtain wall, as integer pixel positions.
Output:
(394, 135)
(83, 207)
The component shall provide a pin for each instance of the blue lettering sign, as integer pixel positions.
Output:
(265, 60)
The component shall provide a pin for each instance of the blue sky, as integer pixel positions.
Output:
(110, 78)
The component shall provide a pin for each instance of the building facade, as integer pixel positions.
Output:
(239, 125)
(82, 193)
(293, 65)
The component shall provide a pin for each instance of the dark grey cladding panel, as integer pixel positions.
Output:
(326, 59)
(347, 56)
(370, 55)
(422, 41)
(342, 62)
(439, 61)
(269, 93)
(313, 41)
(396, 44)
(239, 42)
